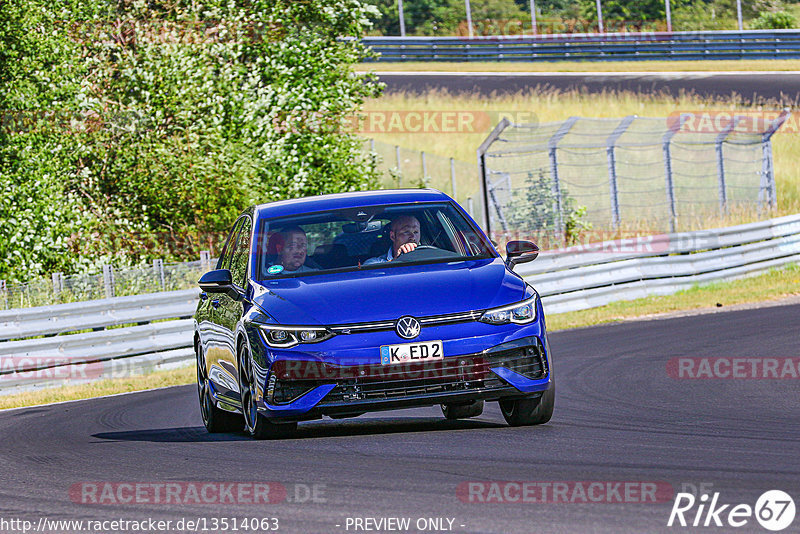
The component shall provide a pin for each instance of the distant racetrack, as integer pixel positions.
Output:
(752, 86)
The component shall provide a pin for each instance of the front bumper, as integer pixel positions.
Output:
(511, 369)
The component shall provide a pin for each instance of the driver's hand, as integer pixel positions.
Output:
(407, 247)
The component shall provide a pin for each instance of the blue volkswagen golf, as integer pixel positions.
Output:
(338, 305)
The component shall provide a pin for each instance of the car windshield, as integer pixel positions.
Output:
(365, 238)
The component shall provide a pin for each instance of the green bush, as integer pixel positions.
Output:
(774, 20)
(138, 130)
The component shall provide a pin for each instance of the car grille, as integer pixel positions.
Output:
(451, 375)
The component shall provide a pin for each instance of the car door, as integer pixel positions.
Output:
(230, 309)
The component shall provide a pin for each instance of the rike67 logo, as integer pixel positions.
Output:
(774, 510)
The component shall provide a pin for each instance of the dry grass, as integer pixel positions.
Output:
(158, 379)
(584, 66)
(776, 284)
(552, 105)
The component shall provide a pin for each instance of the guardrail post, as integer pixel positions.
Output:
(158, 268)
(667, 147)
(723, 191)
(205, 260)
(768, 188)
(552, 152)
(612, 167)
(453, 177)
(108, 280)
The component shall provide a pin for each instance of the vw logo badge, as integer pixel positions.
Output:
(407, 327)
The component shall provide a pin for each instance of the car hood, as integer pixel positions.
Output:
(386, 294)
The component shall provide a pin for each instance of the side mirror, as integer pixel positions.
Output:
(520, 252)
(218, 281)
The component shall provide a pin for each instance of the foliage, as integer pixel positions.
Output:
(534, 210)
(448, 17)
(778, 20)
(137, 129)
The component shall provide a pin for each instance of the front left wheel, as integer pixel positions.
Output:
(526, 412)
(256, 424)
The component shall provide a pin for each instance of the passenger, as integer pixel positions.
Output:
(404, 232)
(291, 246)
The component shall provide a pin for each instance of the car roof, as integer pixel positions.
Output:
(355, 199)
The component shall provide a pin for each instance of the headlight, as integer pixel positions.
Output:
(520, 313)
(284, 337)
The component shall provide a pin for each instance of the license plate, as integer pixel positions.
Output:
(412, 352)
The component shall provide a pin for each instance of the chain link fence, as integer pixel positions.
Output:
(60, 288)
(406, 168)
(556, 180)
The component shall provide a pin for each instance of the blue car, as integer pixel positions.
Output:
(338, 305)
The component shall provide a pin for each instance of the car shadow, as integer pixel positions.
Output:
(312, 430)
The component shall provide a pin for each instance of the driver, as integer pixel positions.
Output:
(404, 234)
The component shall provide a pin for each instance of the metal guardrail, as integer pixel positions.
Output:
(578, 278)
(570, 279)
(753, 44)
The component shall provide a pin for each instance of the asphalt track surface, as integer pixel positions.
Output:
(751, 86)
(619, 417)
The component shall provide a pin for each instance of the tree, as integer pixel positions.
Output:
(158, 122)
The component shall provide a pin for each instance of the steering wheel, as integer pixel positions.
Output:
(425, 252)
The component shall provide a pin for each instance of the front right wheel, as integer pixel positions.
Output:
(526, 412)
(214, 419)
(256, 424)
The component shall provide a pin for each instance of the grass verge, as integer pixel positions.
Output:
(773, 285)
(157, 379)
(584, 66)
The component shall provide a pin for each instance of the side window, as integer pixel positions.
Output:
(224, 261)
(241, 254)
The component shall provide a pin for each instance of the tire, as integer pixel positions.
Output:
(255, 424)
(214, 419)
(527, 412)
(462, 411)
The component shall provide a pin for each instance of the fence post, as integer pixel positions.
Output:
(205, 260)
(372, 145)
(667, 147)
(767, 169)
(108, 280)
(58, 283)
(397, 162)
(552, 152)
(723, 192)
(481, 152)
(453, 177)
(612, 167)
(470, 210)
(4, 291)
(158, 268)
(424, 168)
